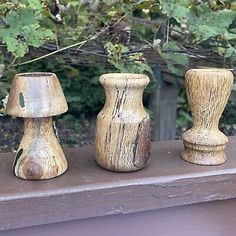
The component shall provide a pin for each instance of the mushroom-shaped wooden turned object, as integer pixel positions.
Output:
(208, 91)
(37, 97)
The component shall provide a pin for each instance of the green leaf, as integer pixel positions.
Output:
(37, 38)
(211, 23)
(171, 52)
(24, 30)
(231, 51)
(16, 47)
(230, 36)
(35, 4)
(176, 61)
(21, 17)
(179, 10)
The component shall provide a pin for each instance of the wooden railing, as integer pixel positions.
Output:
(169, 188)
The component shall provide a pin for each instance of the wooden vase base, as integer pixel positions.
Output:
(124, 170)
(40, 155)
(204, 155)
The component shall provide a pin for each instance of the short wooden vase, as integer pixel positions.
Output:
(37, 97)
(123, 125)
(208, 91)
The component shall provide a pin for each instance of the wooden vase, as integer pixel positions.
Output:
(123, 125)
(37, 97)
(208, 91)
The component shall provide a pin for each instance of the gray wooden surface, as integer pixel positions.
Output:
(215, 218)
(164, 105)
(86, 190)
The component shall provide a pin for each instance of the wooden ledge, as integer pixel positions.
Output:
(86, 190)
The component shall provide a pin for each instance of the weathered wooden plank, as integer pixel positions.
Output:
(163, 105)
(233, 94)
(87, 190)
(215, 218)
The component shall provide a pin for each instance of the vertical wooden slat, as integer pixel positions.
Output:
(164, 105)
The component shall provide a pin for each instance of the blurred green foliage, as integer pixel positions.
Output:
(124, 28)
(184, 119)
(165, 25)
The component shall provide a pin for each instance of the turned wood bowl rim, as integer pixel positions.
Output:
(209, 70)
(126, 76)
(36, 74)
(123, 79)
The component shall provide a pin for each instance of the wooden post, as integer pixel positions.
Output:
(208, 91)
(163, 105)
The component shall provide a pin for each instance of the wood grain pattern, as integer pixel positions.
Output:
(39, 155)
(208, 91)
(123, 125)
(37, 94)
(37, 97)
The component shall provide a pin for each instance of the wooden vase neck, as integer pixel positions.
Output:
(124, 91)
(207, 92)
(128, 98)
(38, 126)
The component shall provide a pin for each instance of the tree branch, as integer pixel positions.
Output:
(80, 44)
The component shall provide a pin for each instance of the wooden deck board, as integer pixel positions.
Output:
(86, 190)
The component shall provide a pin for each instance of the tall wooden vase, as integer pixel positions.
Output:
(123, 125)
(208, 91)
